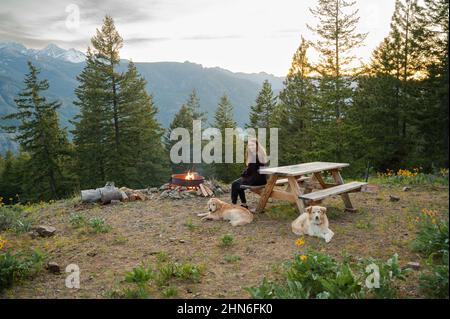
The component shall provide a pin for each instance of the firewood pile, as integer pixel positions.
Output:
(112, 194)
(209, 188)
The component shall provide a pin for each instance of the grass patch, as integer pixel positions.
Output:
(14, 218)
(282, 211)
(140, 274)
(226, 240)
(98, 225)
(170, 292)
(231, 258)
(190, 225)
(319, 276)
(15, 267)
(94, 225)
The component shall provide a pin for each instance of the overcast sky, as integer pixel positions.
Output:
(238, 35)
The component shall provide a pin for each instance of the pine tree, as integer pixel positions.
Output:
(117, 136)
(433, 116)
(223, 118)
(38, 134)
(295, 113)
(262, 112)
(337, 41)
(142, 156)
(107, 43)
(92, 126)
(189, 112)
(387, 99)
(10, 179)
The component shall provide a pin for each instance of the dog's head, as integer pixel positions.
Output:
(214, 204)
(316, 214)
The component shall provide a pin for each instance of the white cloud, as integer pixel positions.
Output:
(240, 35)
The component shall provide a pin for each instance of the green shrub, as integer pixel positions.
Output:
(165, 273)
(13, 217)
(15, 267)
(432, 236)
(138, 292)
(77, 220)
(226, 240)
(231, 258)
(98, 225)
(188, 271)
(389, 271)
(434, 281)
(140, 274)
(319, 276)
(170, 292)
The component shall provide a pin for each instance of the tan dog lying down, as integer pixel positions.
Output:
(313, 222)
(237, 215)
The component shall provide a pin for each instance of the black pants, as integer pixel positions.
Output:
(237, 191)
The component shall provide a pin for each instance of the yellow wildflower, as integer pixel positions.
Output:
(433, 221)
(3, 242)
(300, 242)
(303, 258)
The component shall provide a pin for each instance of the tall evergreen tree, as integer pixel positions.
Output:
(189, 112)
(92, 126)
(38, 134)
(387, 99)
(295, 112)
(336, 44)
(117, 136)
(262, 112)
(224, 118)
(142, 157)
(432, 118)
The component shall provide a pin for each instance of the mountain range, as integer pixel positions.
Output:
(170, 83)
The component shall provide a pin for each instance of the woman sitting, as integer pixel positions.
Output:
(256, 157)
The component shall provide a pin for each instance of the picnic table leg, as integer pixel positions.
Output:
(297, 191)
(266, 193)
(345, 197)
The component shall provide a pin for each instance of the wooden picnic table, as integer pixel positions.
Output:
(300, 186)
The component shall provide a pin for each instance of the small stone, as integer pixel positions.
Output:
(413, 265)
(271, 241)
(393, 198)
(115, 202)
(172, 238)
(189, 290)
(32, 234)
(153, 189)
(53, 267)
(45, 231)
(92, 254)
(406, 188)
(182, 241)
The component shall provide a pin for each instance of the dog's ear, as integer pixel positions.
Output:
(323, 210)
(309, 209)
(219, 203)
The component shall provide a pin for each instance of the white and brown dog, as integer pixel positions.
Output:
(313, 222)
(237, 215)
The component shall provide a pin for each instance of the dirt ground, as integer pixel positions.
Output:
(140, 230)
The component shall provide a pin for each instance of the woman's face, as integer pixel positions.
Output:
(252, 147)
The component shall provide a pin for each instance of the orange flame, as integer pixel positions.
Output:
(189, 176)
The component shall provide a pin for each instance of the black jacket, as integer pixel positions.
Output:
(251, 175)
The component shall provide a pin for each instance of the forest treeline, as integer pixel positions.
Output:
(389, 113)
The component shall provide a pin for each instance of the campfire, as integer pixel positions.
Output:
(190, 181)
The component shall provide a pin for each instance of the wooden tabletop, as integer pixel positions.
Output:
(302, 169)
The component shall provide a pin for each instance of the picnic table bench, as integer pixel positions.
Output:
(302, 179)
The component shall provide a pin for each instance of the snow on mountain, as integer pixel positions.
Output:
(50, 50)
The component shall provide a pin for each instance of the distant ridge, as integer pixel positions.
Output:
(169, 82)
